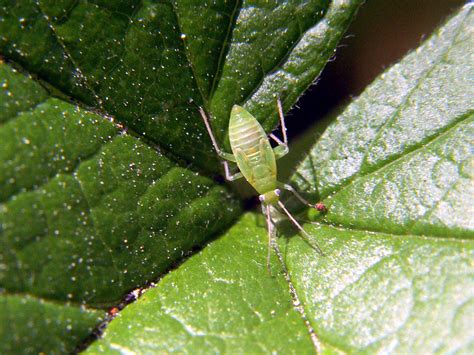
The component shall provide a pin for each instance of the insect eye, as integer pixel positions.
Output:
(261, 198)
(277, 192)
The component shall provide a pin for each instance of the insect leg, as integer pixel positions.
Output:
(282, 148)
(296, 300)
(306, 237)
(219, 151)
(297, 195)
(266, 211)
(228, 175)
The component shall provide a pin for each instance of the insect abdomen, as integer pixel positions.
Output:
(245, 132)
(246, 136)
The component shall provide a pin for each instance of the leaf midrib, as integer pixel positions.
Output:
(417, 148)
(430, 238)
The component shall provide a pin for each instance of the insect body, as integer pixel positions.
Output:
(256, 160)
(253, 153)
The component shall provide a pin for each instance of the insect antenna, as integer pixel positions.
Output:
(306, 237)
(296, 300)
(266, 209)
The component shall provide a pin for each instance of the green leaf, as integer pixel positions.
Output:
(28, 93)
(88, 212)
(396, 174)
(26, 321)
(408, 106)
(97, 203)
(220, 300)
(102, 155)
(143, 62)
(377, 292)
(397, 274)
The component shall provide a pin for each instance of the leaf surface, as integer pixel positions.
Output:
(396, 173)
(397, 274)
(103, 150)
(220, 300)
(26, 320)
(89, 213)
(377, 292)
(149, 64)
(98, 203)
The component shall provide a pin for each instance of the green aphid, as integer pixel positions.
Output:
(256, 160)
